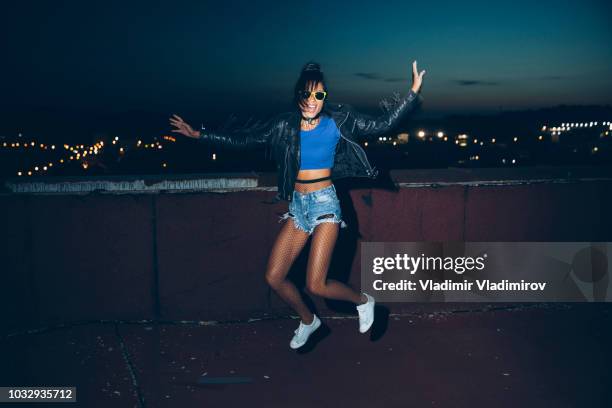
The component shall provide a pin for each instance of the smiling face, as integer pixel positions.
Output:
(312, 106)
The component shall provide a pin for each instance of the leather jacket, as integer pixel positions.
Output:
(281, 135)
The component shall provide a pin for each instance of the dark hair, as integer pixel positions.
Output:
(309, 77)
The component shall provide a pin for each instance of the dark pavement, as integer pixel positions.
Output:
(529, 355)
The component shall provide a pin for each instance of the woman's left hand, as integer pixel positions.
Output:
(417, 78)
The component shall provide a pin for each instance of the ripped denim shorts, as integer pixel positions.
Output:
(310, 209)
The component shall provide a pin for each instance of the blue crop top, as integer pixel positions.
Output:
(318, 146)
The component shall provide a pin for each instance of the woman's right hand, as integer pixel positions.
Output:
(183, 128)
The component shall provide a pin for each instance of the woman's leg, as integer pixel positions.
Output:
(287, 247)
(324, 239)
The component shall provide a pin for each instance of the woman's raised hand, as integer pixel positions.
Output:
(183, 128)
(417, 78)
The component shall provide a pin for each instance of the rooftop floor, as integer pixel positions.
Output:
(540, 355)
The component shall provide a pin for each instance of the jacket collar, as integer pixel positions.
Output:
(336, 110)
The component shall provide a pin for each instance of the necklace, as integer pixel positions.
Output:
(311, 121)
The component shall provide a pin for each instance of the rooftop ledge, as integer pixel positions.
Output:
(266, 181)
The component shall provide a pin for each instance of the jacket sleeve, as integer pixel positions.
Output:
(366, 127)
(248, 137)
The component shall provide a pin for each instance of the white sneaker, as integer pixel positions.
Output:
(303, 332)
(366, 314)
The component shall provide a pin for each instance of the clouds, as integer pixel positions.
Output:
(374, 76)
(478, 82)
(368, 75)
(474, 82)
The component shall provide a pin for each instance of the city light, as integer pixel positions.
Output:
(462, 140)
(574, 133)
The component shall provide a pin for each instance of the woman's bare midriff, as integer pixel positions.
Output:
(310, 175)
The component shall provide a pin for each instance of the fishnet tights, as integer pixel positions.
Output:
(287, 247)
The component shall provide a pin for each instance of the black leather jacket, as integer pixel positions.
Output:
(281, 134)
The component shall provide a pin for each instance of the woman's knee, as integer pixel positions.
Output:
(316, 288)
(274, 279)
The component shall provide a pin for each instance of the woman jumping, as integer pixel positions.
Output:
(313, 144)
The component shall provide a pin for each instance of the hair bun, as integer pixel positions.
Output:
(311, 66)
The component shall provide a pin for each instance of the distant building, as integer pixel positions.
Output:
(554, 137)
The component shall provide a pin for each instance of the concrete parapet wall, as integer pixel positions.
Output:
(199, 251)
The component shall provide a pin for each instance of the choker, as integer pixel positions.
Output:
(310, 121)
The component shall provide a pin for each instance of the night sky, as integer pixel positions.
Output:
(201, 59)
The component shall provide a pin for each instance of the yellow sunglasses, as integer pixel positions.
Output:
(319, 95)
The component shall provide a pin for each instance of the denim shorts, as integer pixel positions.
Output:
(311, 209)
